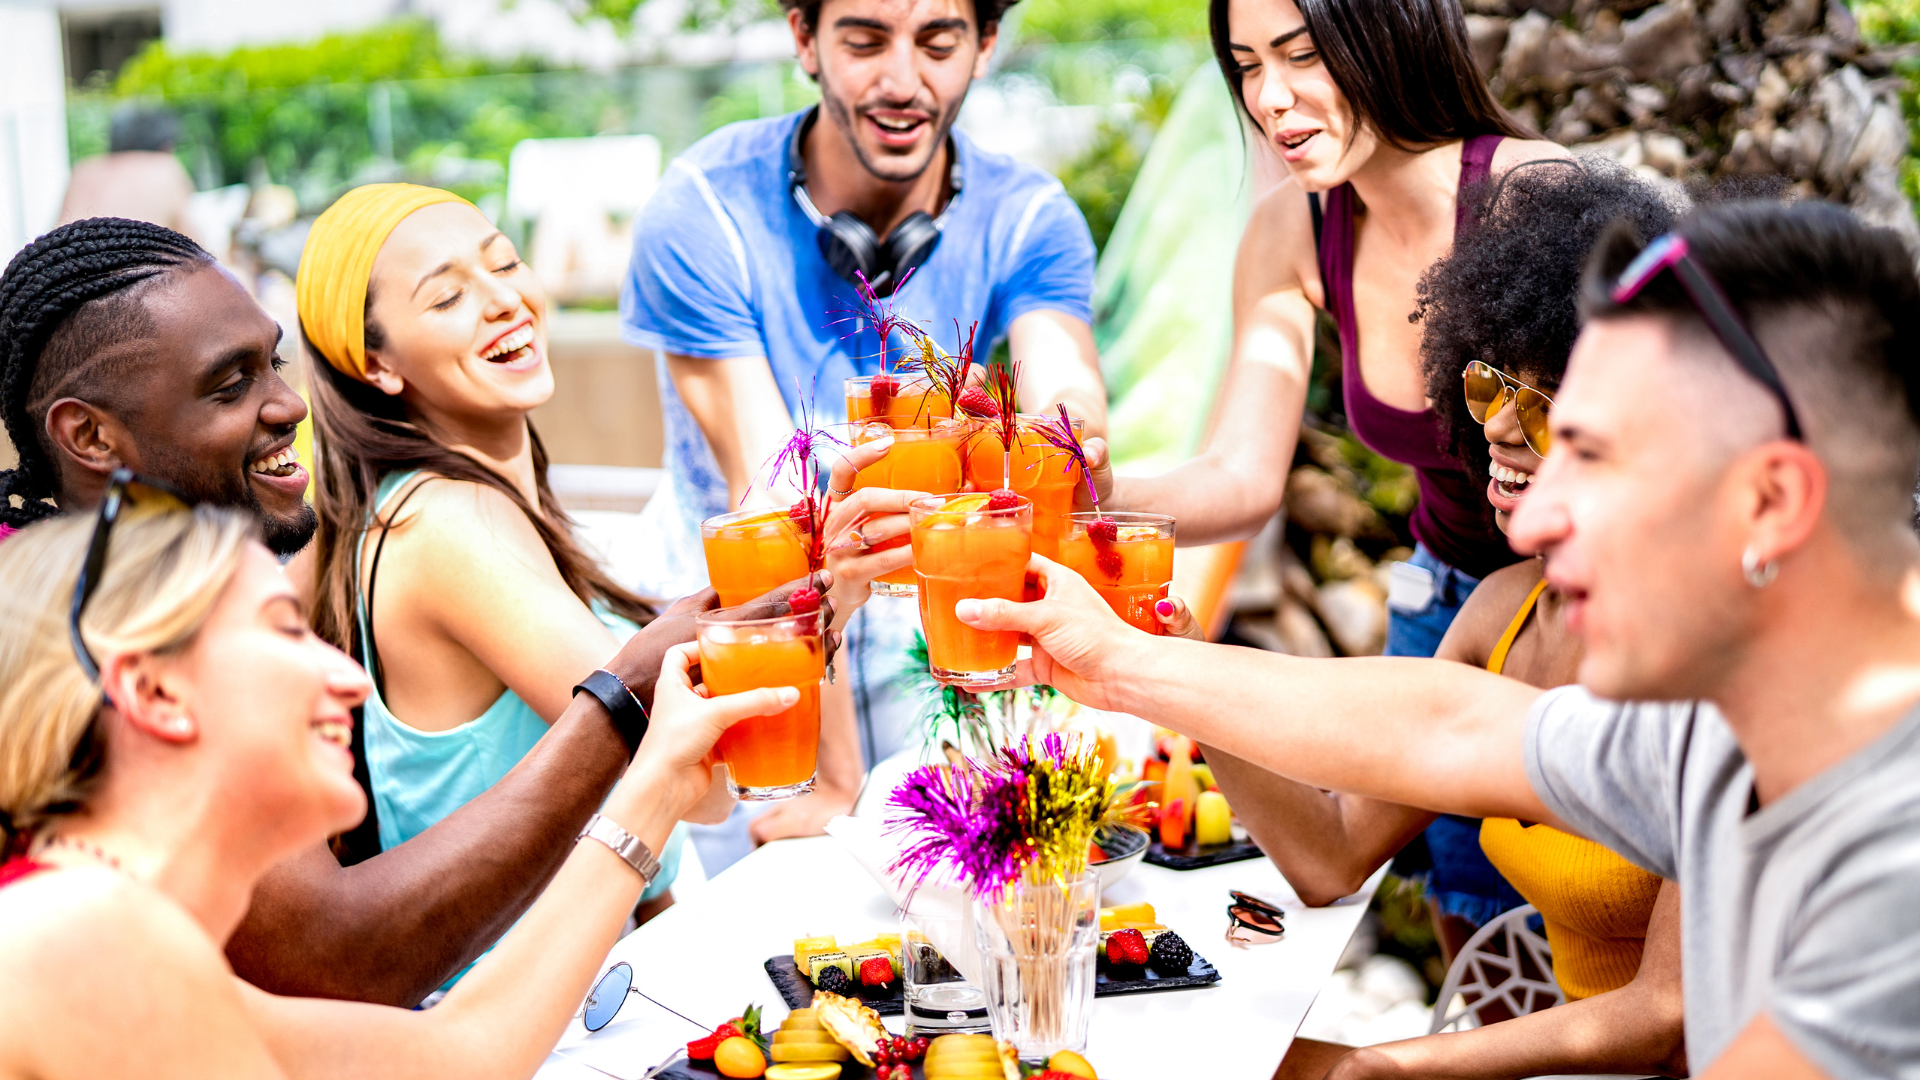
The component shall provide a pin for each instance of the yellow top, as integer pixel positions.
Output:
(1595, 903)
(332, 284)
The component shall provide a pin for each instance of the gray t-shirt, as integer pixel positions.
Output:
(1807, 909)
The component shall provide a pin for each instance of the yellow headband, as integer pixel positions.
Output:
(338, 260)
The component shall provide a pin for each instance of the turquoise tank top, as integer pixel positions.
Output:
(420, 777)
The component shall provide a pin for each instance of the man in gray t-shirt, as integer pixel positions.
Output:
(1725, 519)
(1807, 907)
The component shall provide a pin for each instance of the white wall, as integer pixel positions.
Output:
(33, 123)
(218, 25)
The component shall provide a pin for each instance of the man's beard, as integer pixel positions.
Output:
(846, 120)
(283, 535)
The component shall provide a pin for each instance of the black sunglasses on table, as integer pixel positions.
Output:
(124, 488)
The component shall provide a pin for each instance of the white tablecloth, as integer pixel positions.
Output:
(703, 959)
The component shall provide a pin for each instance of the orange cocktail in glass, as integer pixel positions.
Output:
(768, 757)
(902, 402)
(1042, 472)
(927, 459)
(753, 552)
(963, 549)
(1127, 558)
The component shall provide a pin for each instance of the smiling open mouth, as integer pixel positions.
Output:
(1296, 141)
(337, 732)
(898, 126)
(1513, 483)
(284, 463)
(510, 348)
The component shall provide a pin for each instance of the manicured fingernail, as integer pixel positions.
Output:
(788, 696)
(880, 444)
(1165, 608)
(967, 610)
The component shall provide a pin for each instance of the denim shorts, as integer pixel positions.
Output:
(1425, 596)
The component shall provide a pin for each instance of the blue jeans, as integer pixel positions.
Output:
(1460, 880)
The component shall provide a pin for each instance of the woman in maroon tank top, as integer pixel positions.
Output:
(1382, 121)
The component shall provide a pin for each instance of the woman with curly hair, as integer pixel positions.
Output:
(1497, 322)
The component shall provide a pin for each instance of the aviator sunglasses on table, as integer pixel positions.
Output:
(124, 488)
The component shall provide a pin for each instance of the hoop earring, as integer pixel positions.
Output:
(1759, 574)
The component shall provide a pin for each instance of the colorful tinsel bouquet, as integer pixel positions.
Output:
(1028, 814)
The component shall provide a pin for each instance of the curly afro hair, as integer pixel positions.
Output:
(985, 12)
(1508, 292)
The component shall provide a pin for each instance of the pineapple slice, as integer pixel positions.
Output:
(851, 1024)
(805, 949)
(1116, 918)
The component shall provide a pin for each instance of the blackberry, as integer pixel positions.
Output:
(1170, 955)
(835, 981)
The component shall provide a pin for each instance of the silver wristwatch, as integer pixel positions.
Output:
(624, 844)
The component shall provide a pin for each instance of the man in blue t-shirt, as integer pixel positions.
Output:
(742, 280)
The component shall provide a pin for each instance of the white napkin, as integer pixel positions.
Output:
(941, 912)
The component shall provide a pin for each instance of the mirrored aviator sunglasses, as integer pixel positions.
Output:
(125, 489)
(1488, 389)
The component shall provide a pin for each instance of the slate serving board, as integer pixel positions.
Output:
(797, 990)
(1194, 856)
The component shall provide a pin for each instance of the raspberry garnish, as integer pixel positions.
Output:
(1002, 499)
(804, 601)
(1103, 531)
(977, 402)
(881, 390)
(802, 514)
(1109, 562)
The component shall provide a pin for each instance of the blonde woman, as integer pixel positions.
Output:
(142, 804)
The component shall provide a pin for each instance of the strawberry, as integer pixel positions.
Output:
(1127, 947)
(1002, 499)
(1110, 563)
(1103, 531)
(802, 514)
(876, 971)
(702, 1049)
(881, 390)
(804, 601)
(975, 401)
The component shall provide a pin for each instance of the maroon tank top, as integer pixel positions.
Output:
(1453, 518)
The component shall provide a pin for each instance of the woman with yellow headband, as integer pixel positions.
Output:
(443, 560)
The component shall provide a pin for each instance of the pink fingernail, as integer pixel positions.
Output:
(1165, 608)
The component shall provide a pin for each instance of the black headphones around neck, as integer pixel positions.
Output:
(850, 244)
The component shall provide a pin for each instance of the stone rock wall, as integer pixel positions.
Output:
(1718, 89)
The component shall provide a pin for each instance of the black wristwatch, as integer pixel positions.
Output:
(622, 705)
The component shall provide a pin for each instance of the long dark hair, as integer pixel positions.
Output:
(1405, 66)
(361, 434)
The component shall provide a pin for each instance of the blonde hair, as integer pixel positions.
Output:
(165, 571)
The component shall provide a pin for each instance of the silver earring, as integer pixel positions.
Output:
(1759, 574)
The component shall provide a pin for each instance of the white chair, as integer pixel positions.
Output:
(1505, 963)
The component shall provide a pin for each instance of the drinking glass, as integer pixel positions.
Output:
(1037, 950)
(1131, 571)
(915, 402)
(939, 1000)
(752, 552)
(964, 551)
(926, 459)
(767, 757)
(1041, 471)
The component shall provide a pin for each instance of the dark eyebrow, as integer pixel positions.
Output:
(855, 22)
(429, 276)
(1237, 47)
(1286, 37)
(938, 25)
(238, 356)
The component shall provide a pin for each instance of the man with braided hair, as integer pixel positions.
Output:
(123, 344)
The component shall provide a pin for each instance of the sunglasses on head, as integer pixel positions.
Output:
(124, 488)
(1488, 391)
(1669, 252)
(1253, 921)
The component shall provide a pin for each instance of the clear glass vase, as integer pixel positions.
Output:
(1037, 950)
